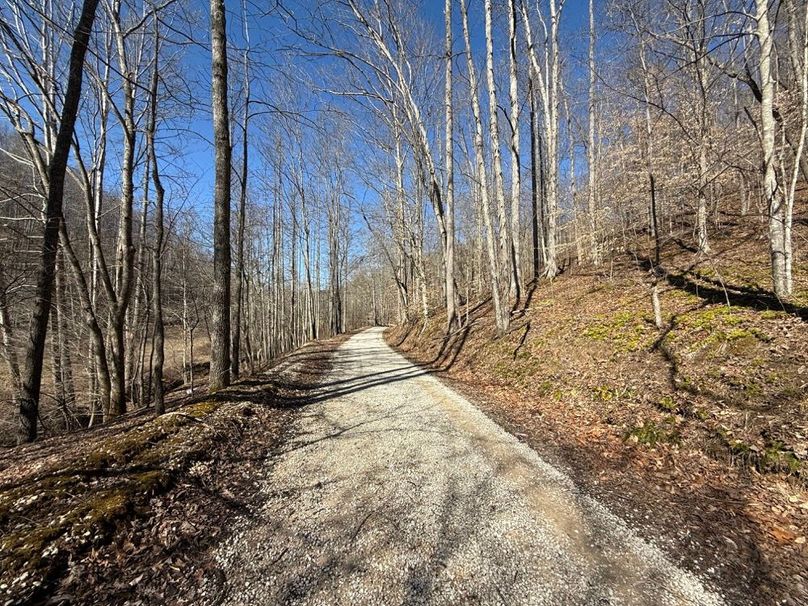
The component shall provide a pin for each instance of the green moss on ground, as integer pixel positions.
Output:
(625, 330)
(78, 501)
(651, 433)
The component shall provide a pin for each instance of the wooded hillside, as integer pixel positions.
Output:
(373, 162)
(590, 215)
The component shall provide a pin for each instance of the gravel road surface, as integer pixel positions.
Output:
(396, 490)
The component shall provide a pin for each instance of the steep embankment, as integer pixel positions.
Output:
(698, 429)
(133, 507)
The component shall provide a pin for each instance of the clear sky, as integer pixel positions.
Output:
(272, 41)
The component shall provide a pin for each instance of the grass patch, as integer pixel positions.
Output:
(607, 393)
(651, 434)
(773, 456)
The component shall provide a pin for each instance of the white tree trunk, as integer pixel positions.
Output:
(449, 254)
(546, 86)
(516, 178)
(493, 135)
(774, 200)
(591, 156)
(493, 260)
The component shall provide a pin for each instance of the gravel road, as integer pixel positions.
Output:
(397, 490)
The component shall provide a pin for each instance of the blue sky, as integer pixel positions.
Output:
(269, 35)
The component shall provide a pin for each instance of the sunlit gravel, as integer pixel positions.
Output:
(397, 490)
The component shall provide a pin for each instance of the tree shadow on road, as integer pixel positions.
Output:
(278, 390)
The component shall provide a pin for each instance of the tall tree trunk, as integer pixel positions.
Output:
(186, 325)
(551, 268)
(220, 336)
(418, 253)
(159, 228)
(136, 330)
(493, 259)
(576, 210)
(700, 65)
(496, 163)
(31, 377)
(449, 256)
(648, 151)
(796, 33)
(124, 253)
(535, 173)
(403, 234)
(516, 178)
(235, 361)
(591, 151)
(311, 318)
(334, 265)
(293, 302)
(774, 198)
(547, 86)
(95, 196)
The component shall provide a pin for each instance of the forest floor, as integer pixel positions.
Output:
(130, 512)
(696, 434)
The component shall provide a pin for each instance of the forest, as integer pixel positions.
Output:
(588, 217)
(374, 161)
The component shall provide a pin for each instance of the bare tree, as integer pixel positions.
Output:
(591, 150)
(546, 85)
(235, 361)
(798, 41)
(496, 160)
(774, 199)
(31, 375)
(516, 178)
(451, 296)
(220, 334)
(159, 230)
(500, 310)
(400, 84)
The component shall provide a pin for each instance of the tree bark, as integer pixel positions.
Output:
(535, 185)
(547, 85)
(220, 335)
(591, 151)
(31, 378)
(449, 260)
(516, 179)
(159, 228)
(774, 199)
(496, 162)
(493, 259)
(235, 362)
(124, 254)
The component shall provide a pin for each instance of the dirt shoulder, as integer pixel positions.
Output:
(130, 512)
(577, 381)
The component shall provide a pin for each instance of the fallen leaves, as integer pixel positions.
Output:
(576, 401)
(154, 545)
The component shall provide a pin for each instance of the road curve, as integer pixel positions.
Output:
(397, 490)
